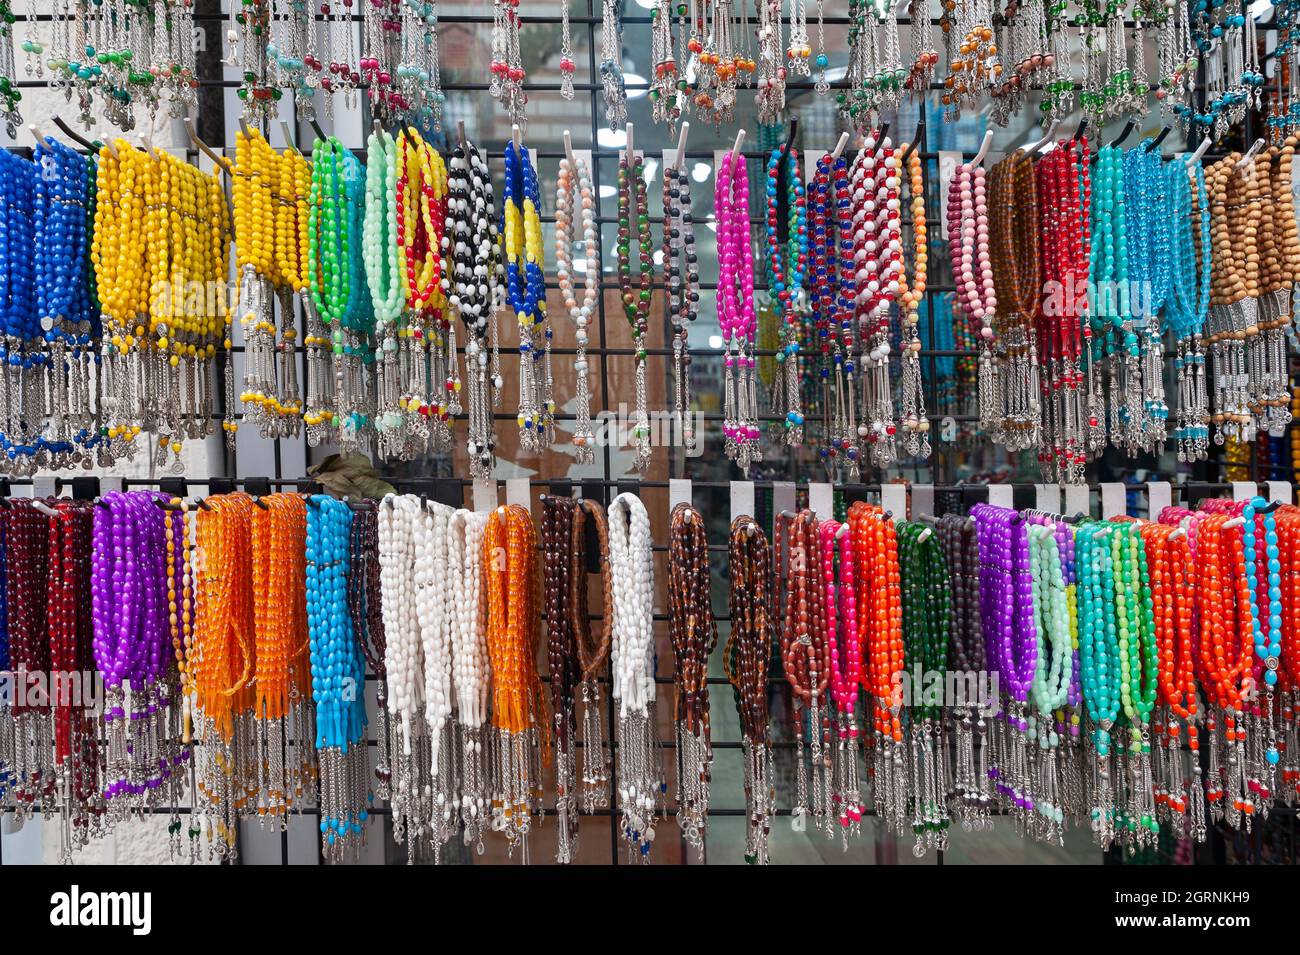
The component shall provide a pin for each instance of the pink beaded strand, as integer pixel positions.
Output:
(736, 316)
(845, 650)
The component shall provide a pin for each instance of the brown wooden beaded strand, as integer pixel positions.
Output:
(558, 571)
(593, 652)
(747, 654)
(694, 634)
(1234, 290)
(1013, 254)
(803, 657)
(1279, 252)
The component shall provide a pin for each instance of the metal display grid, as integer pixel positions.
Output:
(214, 91)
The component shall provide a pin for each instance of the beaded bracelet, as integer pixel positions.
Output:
(966, 656)
(412, 541)
(523, 250)
(281, 676)
(365, 613)
(632, 656)
(62, 216)
(473, 283)
(832, 296)
(805, 660)
(914, 421)
(878, 246)
(78, 756)
(736, 316)
(593, 652)
(844, 659)
(513, 618)
(260, 207)
(559, 566)
(682, 280)
(427, 399)
(338, 671)
(1013, 256)
(787, 262)
(575, 221)
(879, 597)
(338, 407)
(27, 582)
(635, 241)
(131, 641)
(181, 583)
(694, 635)
(927, 598)
(470, 668)
(1169, 561)
(1063, 185)
(223, 664)
(747, 655)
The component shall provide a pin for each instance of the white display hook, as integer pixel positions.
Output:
(1248, 159)
(740, 141)
(568, 150)
(679, 161)
(1047, 138)
(984, 148)
(630, 151)
(838, 151)
(1195, 157)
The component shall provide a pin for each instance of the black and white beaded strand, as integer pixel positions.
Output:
(474, 286)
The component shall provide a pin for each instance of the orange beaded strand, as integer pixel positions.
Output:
(513, 633)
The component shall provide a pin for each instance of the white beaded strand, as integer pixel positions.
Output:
(632, 657)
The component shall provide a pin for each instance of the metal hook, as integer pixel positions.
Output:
(222, 162)
(1047, 138)
(288, 137)
(916, 140)
(1124, 134)
(79, 139)
(789, 138)
(1160, 138)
